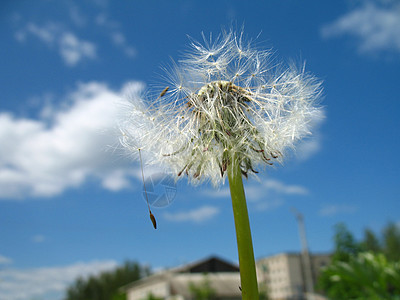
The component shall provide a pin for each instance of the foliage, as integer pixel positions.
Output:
(263, 291)
(152, 297)
(120, 296)
(370, 242)
(202, 291)
(345, 244)
(364, 276)
(105, 285)
(369, 269)
(388, 243)
(391, 242)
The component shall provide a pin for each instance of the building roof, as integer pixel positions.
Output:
(210, 264)
(207, 265)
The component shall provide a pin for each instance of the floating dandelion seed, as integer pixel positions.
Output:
(152, 218)
(226, 112)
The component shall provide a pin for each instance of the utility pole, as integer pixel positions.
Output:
(305, 255)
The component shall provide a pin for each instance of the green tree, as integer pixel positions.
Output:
(364, 276)
(369, 269)
(345, 244)
(391, 242)
(202, 291)
(370, 242)
(105, 286)
(388, 243)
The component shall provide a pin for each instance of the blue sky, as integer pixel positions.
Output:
(71, 202)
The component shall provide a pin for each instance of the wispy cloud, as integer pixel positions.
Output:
(197, 215)
(258, 189)
(75, 14)
(119, 40)
(46, 34)
(21, 284)
(40, 158)
(38, 238)
(375, 25)
(113, 29)
(264, 194)
(282, 188)
(216, 193)
(71, 48)
(5, 260)
(398, 224)
(268, 204)
(334, 209)
(60, 35)
(312, 144)
(74, 50)
(271, 188)
(271, 194)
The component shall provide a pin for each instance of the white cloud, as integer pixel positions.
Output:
(71, 48)
(261, 188)
(112, 29)
(198, 215)
(74, 50)
(5, 260)
(38, 238)
(308, 147)
(376, 26)
(282, 188)
(268, 204)
(76, 15)
(312, 144)
(264, 194)
(46, 33)
(117, 180)
(398, 224)
(103, 20)
(334, 209)
(42, 158)
(269, 194)
(216, 193)
(21, 284)
(271, 188)
(119, 40)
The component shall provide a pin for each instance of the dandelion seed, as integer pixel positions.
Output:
(152, 218)
(164, 91)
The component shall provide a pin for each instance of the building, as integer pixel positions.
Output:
(174, 284)
(284, 275)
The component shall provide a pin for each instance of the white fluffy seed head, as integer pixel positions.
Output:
(224, 100)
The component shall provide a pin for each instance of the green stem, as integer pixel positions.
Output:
(247, 267)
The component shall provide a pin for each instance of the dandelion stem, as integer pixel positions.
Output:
(247, 267)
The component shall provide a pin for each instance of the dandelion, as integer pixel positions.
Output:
(226, 112)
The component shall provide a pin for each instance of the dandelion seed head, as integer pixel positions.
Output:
(225, 99)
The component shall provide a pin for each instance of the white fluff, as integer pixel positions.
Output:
(224, 99)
